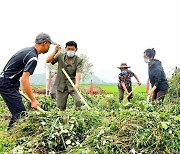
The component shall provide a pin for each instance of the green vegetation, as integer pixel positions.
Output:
(110, 89)
(113, 89)
(108, 127)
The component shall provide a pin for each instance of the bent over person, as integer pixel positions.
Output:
(21, 65)
(73, 66)
(157, 76)
(125, 84)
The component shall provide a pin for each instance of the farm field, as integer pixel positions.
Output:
(113, 89)
(109, 88)
(108, 127)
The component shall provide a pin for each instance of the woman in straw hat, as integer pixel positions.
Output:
(125, 83)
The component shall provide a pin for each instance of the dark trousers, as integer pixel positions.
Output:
(121, 94)
(14, 102)
(159, 95)
(61, 99)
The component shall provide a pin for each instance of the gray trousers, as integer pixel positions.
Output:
(61, 99)
(53, 95)
(121, 94)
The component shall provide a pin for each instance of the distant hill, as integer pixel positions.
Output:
(94, 78)
(40, 79)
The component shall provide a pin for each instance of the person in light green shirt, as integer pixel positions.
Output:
(73, 66)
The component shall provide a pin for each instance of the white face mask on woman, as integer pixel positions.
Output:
(146, 60)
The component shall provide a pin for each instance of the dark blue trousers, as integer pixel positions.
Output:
(14, 102)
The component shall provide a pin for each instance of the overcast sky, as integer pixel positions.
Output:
(107, 31)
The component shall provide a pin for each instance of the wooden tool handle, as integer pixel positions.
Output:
(74, 86)
(148, 97)
(27, 98)
(130, 93)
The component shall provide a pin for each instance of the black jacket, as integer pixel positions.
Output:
(157, 76)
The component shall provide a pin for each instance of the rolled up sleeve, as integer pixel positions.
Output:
(55, 59)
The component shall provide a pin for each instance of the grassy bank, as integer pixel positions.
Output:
(108, 127)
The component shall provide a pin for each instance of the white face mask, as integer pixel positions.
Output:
(70, 53)
(146, 60)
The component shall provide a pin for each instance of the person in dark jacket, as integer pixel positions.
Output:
(157, 76)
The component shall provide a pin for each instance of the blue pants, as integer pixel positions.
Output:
(14, 102)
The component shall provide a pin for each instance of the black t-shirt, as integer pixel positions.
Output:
(24, 60)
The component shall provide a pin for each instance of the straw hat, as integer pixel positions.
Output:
(124, 65)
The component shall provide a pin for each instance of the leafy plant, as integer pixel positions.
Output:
(108, 127)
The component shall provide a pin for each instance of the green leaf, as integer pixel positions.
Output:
(177, 118)
(164, 125)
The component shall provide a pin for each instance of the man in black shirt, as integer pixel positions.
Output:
(21, 65)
